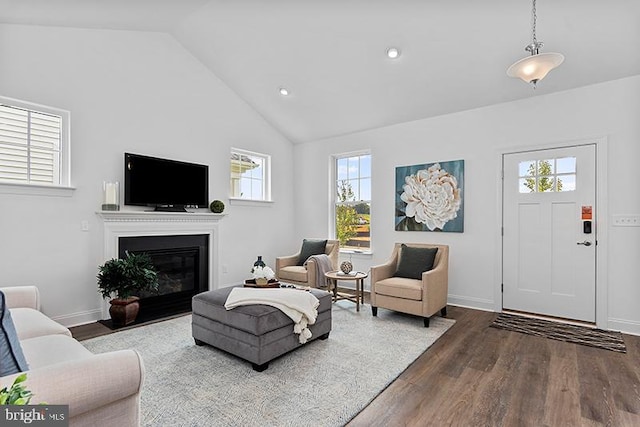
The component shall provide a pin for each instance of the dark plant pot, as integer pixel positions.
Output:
(124, 311)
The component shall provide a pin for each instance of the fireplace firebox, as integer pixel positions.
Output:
(181, 262)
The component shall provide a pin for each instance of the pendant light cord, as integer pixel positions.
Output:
(535, 18)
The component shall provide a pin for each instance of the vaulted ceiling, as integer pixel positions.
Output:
(331, 54)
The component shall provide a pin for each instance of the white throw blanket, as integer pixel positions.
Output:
(300, 306)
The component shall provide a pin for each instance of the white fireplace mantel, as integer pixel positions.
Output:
(145, 216)
(118, 224)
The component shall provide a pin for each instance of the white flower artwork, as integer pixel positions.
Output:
(429, 197)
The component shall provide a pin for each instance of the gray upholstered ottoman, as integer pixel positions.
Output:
(257, 333)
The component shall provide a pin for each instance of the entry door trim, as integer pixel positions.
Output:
(601, 227)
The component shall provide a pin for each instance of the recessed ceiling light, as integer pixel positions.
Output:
(393, 52)
(283, 91)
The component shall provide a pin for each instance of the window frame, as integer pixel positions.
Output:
(334, 202)
(63, 186)
(266, 177)
(555, 175)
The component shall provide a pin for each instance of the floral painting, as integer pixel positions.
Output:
(429, 197)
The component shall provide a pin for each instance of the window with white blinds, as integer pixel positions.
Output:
(32, 145)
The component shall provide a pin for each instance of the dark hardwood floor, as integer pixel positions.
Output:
(480, 376)
(96, 329)
(90, 330)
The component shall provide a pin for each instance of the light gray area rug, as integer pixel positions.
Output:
(323, 383)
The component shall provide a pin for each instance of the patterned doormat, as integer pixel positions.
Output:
(562, 332)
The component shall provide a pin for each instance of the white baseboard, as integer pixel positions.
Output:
(79, 318)
(471, 302)
(631, 327)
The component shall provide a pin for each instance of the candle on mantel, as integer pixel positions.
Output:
(110, 196)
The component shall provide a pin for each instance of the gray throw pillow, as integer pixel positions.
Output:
(12, 360)
(414, 261)
(311, 247)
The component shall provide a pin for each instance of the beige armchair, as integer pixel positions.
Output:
(422, 297)
(288, 270)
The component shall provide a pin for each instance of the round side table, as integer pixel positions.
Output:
(358, 277)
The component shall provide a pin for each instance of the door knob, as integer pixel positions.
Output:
(586, 243)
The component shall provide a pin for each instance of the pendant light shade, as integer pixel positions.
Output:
(535, 67)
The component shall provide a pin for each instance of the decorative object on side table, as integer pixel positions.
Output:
(110, 196)
(262, 276)
(346, 267)
(123, 278)
(217, 206)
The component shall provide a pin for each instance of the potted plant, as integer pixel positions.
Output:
(123, 279)
(217, 206)
(17, 394)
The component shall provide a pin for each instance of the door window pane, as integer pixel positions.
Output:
(548, 175)
(567, 182)
(566, 165)
(527, 168)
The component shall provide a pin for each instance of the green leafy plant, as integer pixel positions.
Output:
(17, 394)
(545, 181)
(127, 277)
(346, 214)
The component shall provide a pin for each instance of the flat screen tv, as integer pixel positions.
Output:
(166, 185)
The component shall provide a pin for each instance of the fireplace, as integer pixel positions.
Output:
(126, 224)
(183, 271)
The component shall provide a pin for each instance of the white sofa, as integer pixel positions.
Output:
(100, 389)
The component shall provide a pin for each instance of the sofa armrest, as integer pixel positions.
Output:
(22, 297)
(286, 261)
(87, 384)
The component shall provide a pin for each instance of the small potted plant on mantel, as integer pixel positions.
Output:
(122, 279)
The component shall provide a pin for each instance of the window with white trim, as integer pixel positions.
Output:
(352, 201)
(250, 175)
(34, 144)
(548, 175)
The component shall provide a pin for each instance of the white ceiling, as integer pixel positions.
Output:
(330, 54)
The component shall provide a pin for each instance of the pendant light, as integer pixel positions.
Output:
(535, 67)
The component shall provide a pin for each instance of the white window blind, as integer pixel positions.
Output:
(30, 145)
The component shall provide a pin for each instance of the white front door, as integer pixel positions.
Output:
(549, 257)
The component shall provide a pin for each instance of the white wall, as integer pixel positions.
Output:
(138, 92)
(608, 110)
(142, 92)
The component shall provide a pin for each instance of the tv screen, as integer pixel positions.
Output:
(164, 184)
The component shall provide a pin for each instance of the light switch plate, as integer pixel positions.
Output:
(626, 220)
